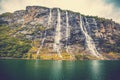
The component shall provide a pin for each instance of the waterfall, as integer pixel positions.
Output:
(68, 37)
(57, 46)
(42, 42)
(94, 21)
(89, 41)
(44, 34)
(49, 18)
(67, 32)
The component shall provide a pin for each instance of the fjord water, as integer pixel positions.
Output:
(59, 70)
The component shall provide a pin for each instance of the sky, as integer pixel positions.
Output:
(103, 8)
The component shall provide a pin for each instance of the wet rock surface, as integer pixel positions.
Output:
(34, 22)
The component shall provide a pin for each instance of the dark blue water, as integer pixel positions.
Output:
(59, 70)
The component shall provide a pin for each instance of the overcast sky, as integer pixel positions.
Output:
(103, 8)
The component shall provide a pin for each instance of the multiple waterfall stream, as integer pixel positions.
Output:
(57, 37)
(89, 41)
(44, 34)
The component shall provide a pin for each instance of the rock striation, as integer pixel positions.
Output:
(65, 33)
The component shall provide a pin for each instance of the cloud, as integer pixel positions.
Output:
(100, 8)
(116, 3)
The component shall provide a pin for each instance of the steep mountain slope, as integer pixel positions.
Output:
(57, 31)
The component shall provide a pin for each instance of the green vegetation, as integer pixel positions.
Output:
(40, 28)
(11, 46)
(100, 19)
(6, 14)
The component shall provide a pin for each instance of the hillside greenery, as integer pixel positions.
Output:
(6, 14)
(11, 46)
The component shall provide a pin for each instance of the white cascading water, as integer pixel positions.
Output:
(68, 36)
(42, 42)
(67, 31)
(49, 18)
(44, 34)
(57, 46)
(94, 22)
(89, 41)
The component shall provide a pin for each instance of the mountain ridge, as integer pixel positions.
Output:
(35, 23)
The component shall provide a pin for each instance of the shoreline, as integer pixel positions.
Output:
(5, 58)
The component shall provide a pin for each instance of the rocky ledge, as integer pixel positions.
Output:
(59, 31)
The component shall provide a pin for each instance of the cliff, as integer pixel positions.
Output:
(63, 32)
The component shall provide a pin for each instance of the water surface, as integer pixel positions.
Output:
(59, 70)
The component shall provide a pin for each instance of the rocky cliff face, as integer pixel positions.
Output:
(62, 30)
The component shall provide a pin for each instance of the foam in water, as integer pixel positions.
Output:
(89, 41)
(57, 46)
